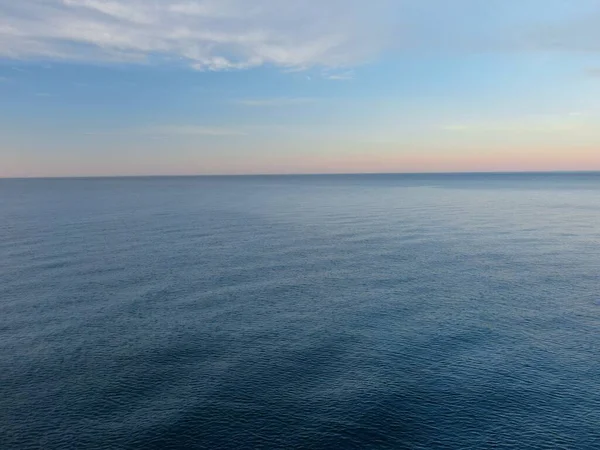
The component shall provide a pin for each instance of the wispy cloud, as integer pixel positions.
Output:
(291, 35)
(169, 131)
(569, 122)
(194, 130)
(339, 76)
(204, 34)
(579, 32)
(593, 72)
(187, 130)
(4, 80)
(274, 102)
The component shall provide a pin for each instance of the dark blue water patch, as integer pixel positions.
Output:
(418, 312)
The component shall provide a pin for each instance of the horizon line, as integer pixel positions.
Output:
(301, 174)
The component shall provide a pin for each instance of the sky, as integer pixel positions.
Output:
(185, 87)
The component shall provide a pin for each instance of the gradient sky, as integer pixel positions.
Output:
(133, 87)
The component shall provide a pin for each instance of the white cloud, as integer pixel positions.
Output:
(340, 76)
(331, 35)
(267, 102)
(204, 34)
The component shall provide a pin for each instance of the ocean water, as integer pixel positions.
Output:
(317, 312)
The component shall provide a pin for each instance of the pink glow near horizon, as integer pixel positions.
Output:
(385, 162)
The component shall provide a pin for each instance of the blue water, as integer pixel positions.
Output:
(334, 312)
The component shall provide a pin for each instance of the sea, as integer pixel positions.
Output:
(442, 311)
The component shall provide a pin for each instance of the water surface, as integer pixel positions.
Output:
(340, 312)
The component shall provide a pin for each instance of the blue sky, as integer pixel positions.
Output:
(119, 87)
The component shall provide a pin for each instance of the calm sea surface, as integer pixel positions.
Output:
(333, 312)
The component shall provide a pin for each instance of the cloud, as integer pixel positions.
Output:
(291, 35)
(268, 102)
(579, 33)
(169, 132)
(594, 72)
(204, 34)
(199, 131)
(194, 130)
(4, 80)
(530, 124)
(340, 76)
